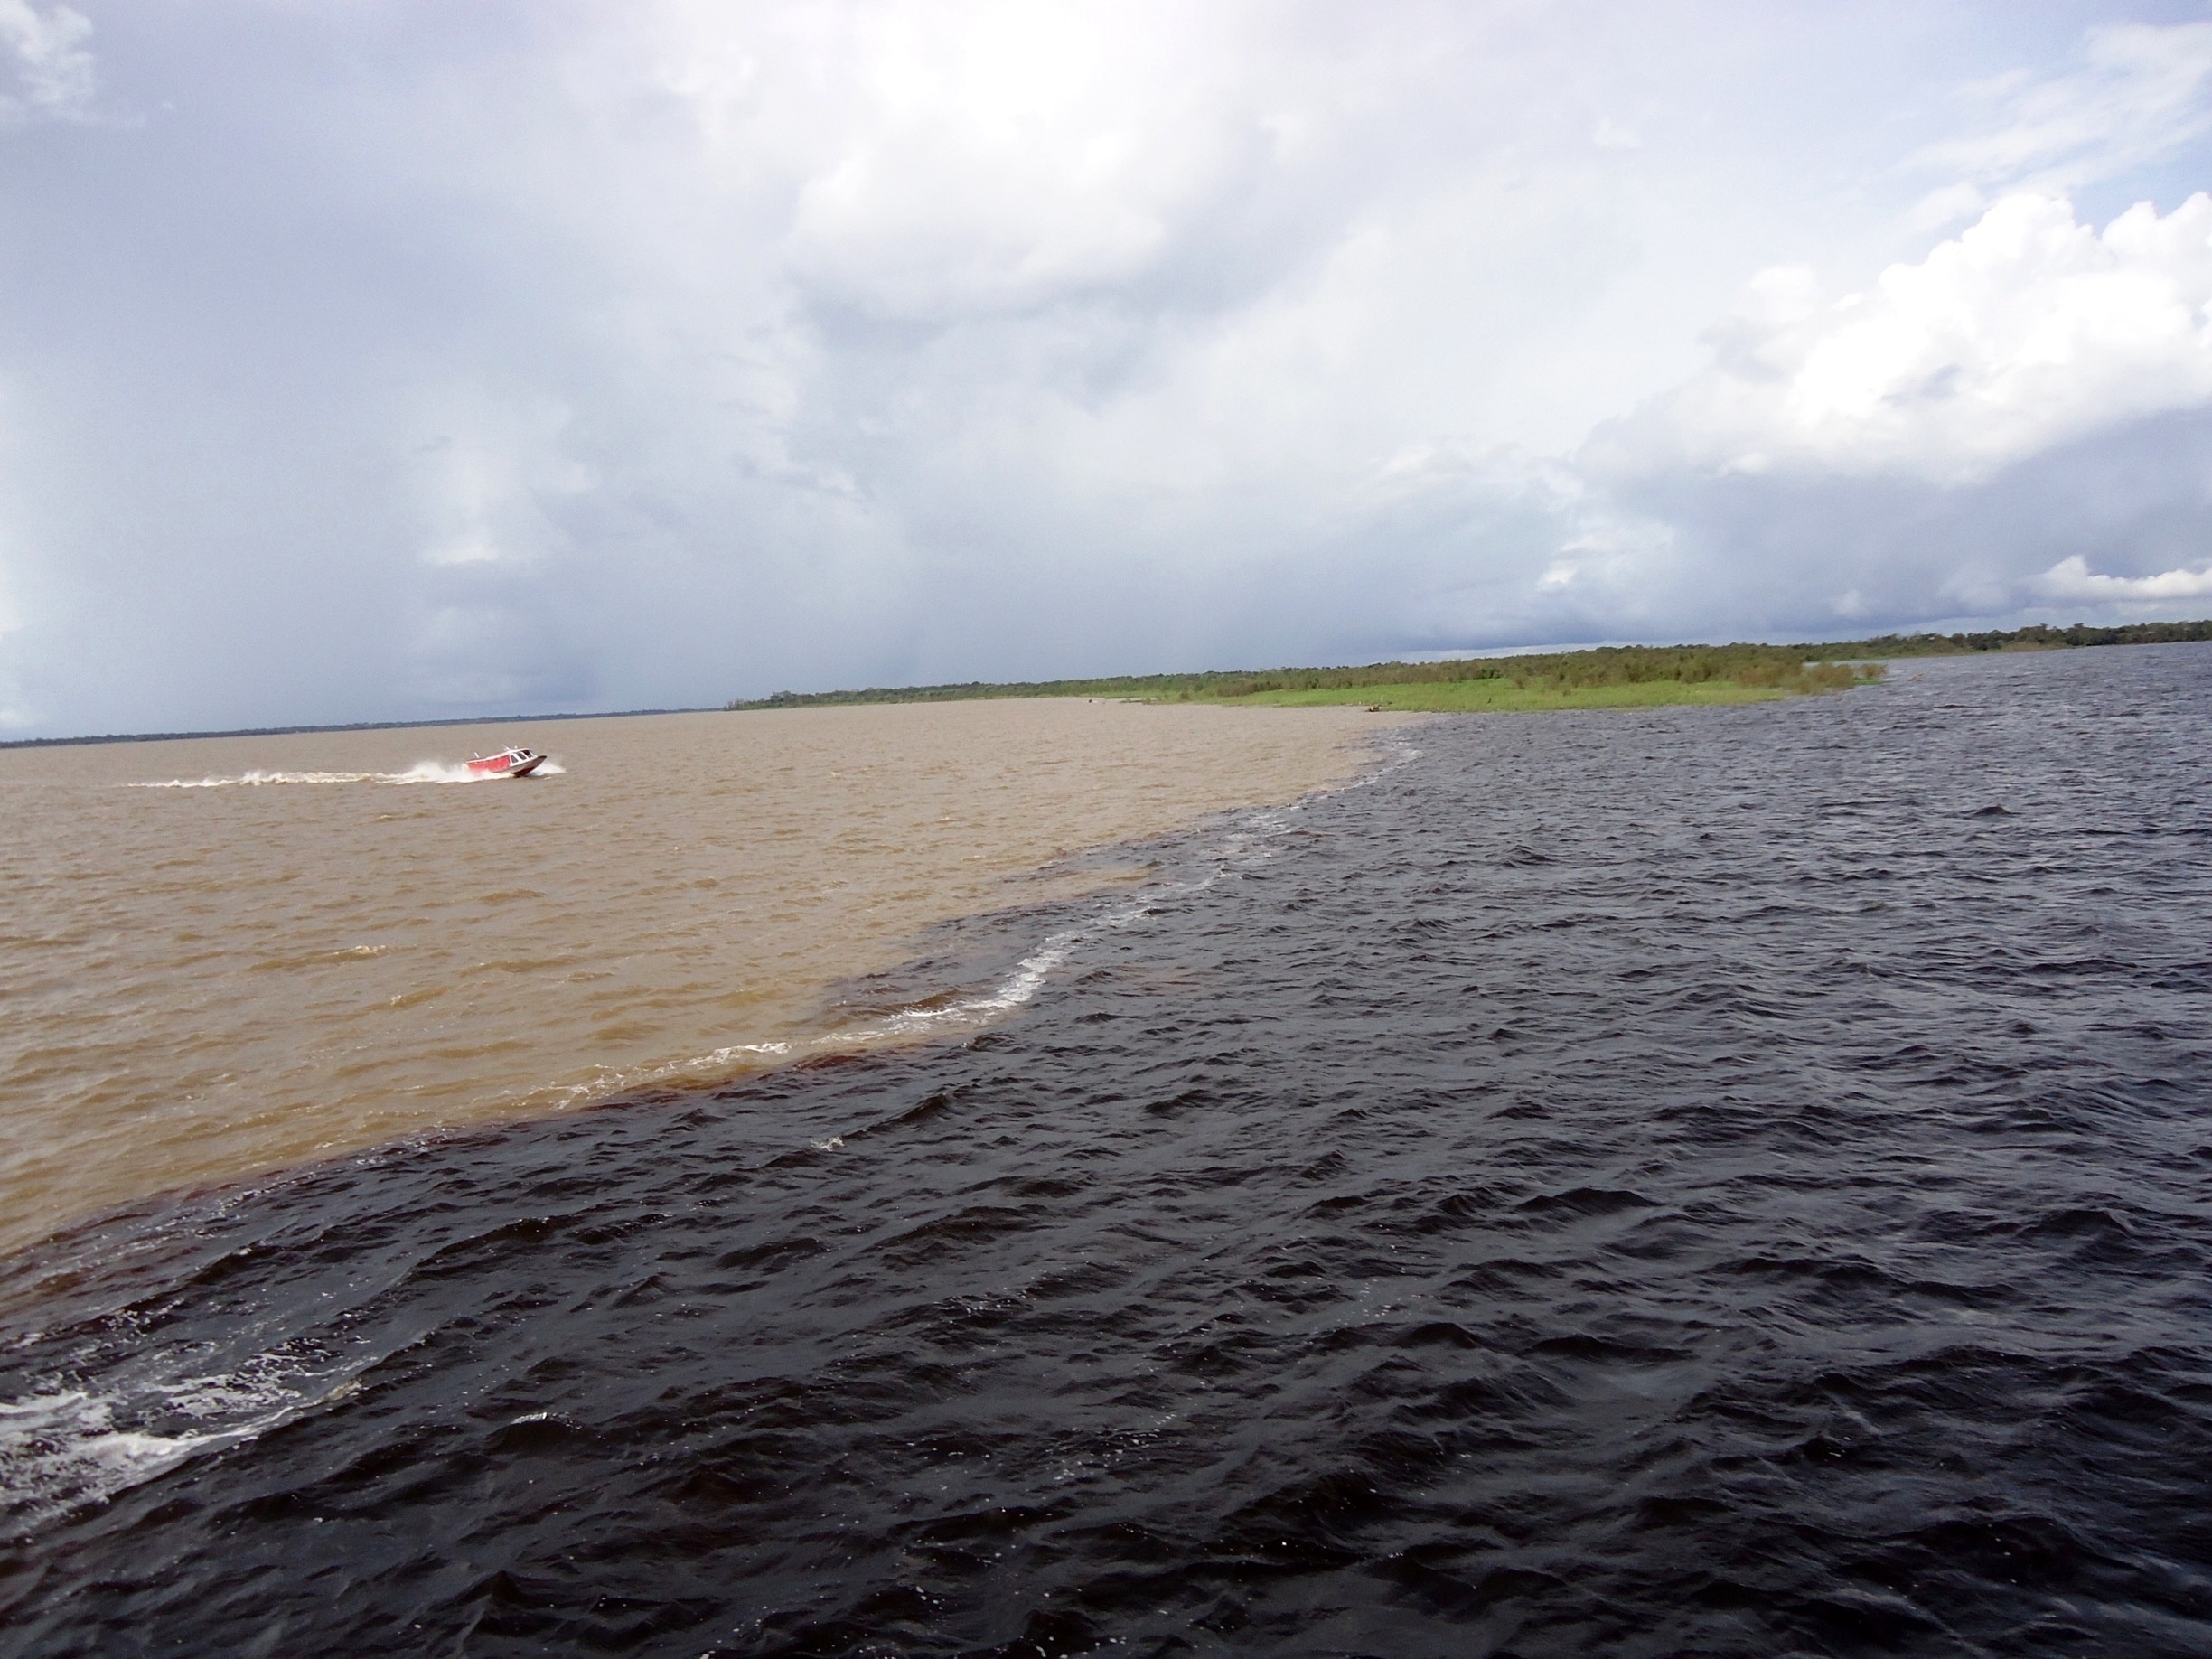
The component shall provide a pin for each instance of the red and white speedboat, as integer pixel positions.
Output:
(507, 763)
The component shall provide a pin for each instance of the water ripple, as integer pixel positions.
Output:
(1534, 1202)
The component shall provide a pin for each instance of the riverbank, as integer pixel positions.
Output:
(2036, 636)
(1504, 697)
(1614, 675)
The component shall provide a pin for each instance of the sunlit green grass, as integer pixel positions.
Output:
(1502, 696)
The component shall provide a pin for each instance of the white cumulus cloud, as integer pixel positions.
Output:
(2027, 330)
(2072, 580)
(46, 72)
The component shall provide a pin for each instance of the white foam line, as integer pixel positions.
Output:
(1254, 836)
(62, 1450)
(1263, 837)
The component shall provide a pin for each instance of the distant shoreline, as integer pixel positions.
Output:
(1295, 687)
(2036, 636)
(350, 725)
(1605, 676)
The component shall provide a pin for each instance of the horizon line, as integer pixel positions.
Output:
(1447, 654)
(349, 725)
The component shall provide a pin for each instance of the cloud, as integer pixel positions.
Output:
(2071, 579)
(2137, 98)
(2027, 330)
(647, 355)
(1941, 208)
(490, 477)
(1818, 554)
(925, 166)
(13, 715)
(1005, 165)
(46, 73)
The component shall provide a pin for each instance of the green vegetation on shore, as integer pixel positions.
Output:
(1637, 676)
(1610, 676)
(2039, 636)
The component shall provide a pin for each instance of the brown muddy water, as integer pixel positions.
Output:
(223, 956)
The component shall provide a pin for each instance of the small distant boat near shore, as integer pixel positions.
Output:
(507, 763)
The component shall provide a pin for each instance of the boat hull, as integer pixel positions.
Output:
(513, 764)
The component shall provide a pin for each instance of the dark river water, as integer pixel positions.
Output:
(1719, 1181)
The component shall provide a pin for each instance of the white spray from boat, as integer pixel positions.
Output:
(421, 772)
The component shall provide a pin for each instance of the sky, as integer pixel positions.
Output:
(409, 360)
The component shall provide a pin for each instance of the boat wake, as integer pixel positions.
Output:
(422, 771)
(82, 1434)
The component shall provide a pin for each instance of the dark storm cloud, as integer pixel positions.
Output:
(1831, 556)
